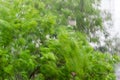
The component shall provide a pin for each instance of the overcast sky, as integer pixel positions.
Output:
(117, 15)
(114, 7)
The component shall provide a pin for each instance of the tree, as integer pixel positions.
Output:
(84, 16)
(29, 49)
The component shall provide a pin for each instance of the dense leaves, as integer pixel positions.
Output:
(34, 46)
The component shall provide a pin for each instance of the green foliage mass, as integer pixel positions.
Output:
(33, 46)
(84, 12)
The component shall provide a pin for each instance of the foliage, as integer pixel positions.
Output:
(85, 14)
(34, 46)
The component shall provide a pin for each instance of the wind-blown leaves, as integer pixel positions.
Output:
(36, 43)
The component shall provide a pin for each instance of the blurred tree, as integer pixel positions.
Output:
(84, 15)
(28, 49)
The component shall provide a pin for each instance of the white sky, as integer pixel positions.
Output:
(117, 15)
(114, 7)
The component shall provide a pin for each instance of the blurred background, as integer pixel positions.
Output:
(113, 6)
